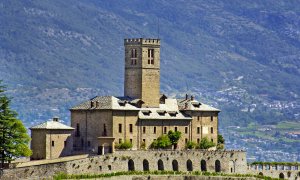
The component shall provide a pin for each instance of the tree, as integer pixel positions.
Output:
(13, 135)
(221, 142)
(162, 142)
(190, 145)
(124, 145)
(205, 144)
(174, 136)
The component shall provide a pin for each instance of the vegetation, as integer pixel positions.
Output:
(205, 144)
(13, 135)
(276, 163)
(190, 145)
(124, 145)
(162, 142)
(174, 136)
(60, 176)
(221, 142)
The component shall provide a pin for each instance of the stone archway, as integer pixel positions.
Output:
(281, 176)
(203, 165)
(160, 165)
(131, 165)
(145, 165)
(175, 165)
(189, 165)
(217, 166)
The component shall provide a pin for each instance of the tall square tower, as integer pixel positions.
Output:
(142, 66)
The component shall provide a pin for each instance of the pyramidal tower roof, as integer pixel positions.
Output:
(52, 124)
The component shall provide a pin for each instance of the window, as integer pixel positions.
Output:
(77, 134)
(198, 141)
(89, 143)
(133, 56)
(120, 141)
(104, 130)
(211, 130)
(198, 130)
(211, 118)
(65, 143)
(212, 140)
(109, 167)
(120, 128)
(186, 140)
(154, 130)
(144, 140)
(130, 141)
(150, 56)
(165, 130)
(175, 128)
(144, 129)
(198, 117)
(52, 143)
(186, 130)
(130, 128)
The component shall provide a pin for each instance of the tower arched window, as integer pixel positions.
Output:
(133, 56)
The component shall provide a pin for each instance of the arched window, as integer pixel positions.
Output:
(160, 165)
(130, 165)
(217, 166)
(281, 176)
(203, 165)
(175, 165)
(189, 165)
(145, 165)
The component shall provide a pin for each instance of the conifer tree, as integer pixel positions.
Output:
(13, 135)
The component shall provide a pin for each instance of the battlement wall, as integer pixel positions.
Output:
(189, 160)
(141, 41)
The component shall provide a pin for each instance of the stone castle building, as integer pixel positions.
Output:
(143, 113)
(140, 116)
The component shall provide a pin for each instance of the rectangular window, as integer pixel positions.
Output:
(198, 117)
(154, 130)
(133, 56)
(150, 56)
(211, 130)
(186, 130)
(144, 129)
(175, 128)
(120, 141)
(198, 141)
(89, 143)
(198, 130)
(165, 130)
(130, 128)
(130, 141)
(186, 140)
(212, 140)
(77, 134)
(211, 118)
(120, 128)
(144, 140)
(52, 143)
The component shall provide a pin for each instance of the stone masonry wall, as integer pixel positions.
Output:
(134, 160)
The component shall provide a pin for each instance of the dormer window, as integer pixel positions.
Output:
(196, 104)
(150, 56)
(172, 113)
(133, 56)
(146, 112)
(161, 112)
(122, 102)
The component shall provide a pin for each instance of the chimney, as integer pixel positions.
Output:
(192, 98)
(55, 119)
(186, 96)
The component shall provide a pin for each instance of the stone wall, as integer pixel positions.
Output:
(276, 171)
(229, 161)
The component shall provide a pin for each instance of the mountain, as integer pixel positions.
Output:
(239, 56)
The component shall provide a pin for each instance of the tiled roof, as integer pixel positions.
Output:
(52, 125)
(194, 105)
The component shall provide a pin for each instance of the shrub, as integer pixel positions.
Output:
(124, 145)
(190, 145)
(174, 136)
(162, 142)
(205, 144)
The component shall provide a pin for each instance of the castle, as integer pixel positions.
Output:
(140, 116)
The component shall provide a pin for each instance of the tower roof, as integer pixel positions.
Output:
(52, 124)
